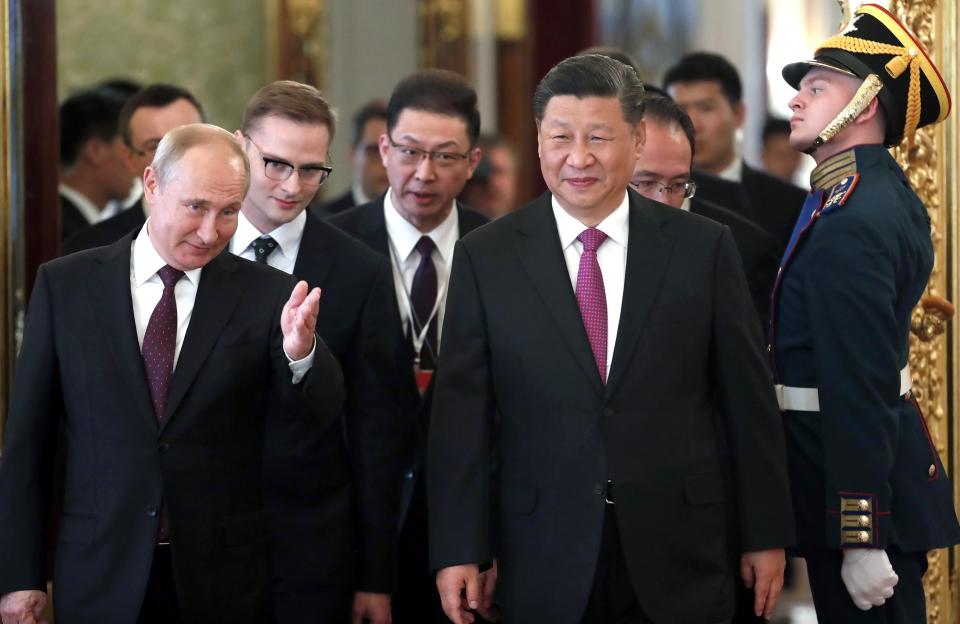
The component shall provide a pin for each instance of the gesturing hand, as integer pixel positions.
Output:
(298, 322)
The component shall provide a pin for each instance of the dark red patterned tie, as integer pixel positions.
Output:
(592, 298)
(160, 341)
(159, 346)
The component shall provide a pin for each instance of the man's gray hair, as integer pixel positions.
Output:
(592, 75)
(178, 142)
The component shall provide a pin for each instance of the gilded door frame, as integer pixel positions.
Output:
(931, 166)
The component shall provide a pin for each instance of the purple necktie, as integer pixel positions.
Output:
(423, 296)
(592, 298)
(160, 341)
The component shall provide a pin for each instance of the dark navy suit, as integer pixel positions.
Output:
(863, 469)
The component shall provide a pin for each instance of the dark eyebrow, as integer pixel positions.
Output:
(287, 162)
(416, 143)
(197, 200)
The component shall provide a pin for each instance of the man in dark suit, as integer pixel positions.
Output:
(869, 488)
(663, 173)
(429, 151)
(633, 496)
(144, 119)
(369, 175)
(183, 353)
(92, 169)
(708, 87)
(286, 131)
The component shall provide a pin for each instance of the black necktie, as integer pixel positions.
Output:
(423, 296)
(263, 247)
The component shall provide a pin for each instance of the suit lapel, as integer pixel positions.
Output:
(314, 262)
(217, 296)
(542, 259)
(648, 252)
(372, 228)
(113, 304)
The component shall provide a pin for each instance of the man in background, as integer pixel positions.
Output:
(144, 120)
(779, 157)
(369, 175)
(663, 173)
(92, 168)
(708, 88)
(320, 544)
(429, 151)
(492, 191)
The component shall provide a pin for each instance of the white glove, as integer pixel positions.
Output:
(868, 575)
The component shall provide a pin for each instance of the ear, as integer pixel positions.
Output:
(539, 140)
(639, 137)
(740, 111)
(473, 160)
(384, 148)
(151, 185)
(94, 151)
(870, 113)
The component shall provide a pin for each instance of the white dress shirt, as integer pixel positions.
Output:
(146, 288)
(359, 197)
(733, 171)
(402, 239)
(611, 256)
(288, 238)
(86, 207)
(116, 206)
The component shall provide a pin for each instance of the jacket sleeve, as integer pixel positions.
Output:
(28, 448)
(749, 411)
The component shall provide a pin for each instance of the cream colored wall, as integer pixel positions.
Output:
(214, 48)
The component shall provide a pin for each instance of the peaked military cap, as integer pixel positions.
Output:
(875, 42)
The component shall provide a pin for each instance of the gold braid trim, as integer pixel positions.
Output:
(902, 59)
(861, 99)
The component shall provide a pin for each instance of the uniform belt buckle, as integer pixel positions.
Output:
(608, 497)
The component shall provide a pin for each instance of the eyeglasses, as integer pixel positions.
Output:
(280, 170)
(656, 187)
(412, 156)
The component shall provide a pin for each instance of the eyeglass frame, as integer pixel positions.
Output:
(151, 147)
(689, 188)
(323, 169)
(432, 155)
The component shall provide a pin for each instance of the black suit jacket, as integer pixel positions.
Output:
(366, 223)
(339, 204)
(770, 202)
(107, 231)
(309, 468)
(687, 426)
(759, 251)
(71, 219)
(81, 359)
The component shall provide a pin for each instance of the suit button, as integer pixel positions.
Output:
(864, 537)
(598, 489)
(932, 470)
(152, 512)
(164, 447)
(608, 412)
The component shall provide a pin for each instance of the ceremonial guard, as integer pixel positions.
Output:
(869, 490)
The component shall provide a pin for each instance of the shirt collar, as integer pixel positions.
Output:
(404, 235)
(615, 225)
(86, 207)
(146, 260)
(287, 235)
(359, 197)
(733, 171)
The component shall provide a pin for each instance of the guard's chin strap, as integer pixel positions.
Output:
(861, 100)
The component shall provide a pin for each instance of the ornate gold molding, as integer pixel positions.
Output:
(934, 362)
